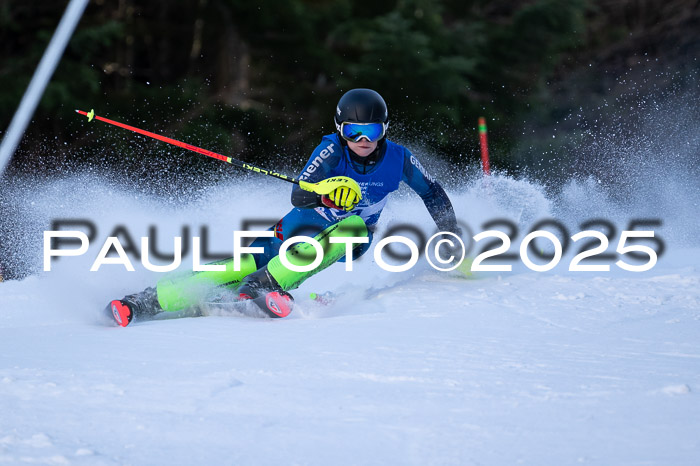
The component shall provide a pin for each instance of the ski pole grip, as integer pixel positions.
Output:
(306, 186)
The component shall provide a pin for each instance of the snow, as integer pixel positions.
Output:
(418, 367)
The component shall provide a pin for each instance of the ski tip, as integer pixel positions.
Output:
(277, 303)
(120, 313)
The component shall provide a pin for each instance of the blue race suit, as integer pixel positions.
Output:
(378, 175)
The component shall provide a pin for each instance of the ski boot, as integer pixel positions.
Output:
(143, 305)
(266, 293)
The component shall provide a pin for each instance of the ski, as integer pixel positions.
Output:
(273, 304)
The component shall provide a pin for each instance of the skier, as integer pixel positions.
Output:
(368, 166)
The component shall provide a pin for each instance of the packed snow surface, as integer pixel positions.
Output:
(419, 367)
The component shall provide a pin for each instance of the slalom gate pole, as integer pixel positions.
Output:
(42, 76)
(485, 165)
(236, 163)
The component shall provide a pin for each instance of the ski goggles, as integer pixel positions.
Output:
(355, 132)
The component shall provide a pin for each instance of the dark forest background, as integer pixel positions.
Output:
(259, 80)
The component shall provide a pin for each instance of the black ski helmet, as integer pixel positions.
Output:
(361, 106)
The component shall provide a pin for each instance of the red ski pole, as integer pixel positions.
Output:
(91, 115)
(322, 187)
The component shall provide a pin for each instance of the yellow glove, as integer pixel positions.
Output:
(339, 192)
(341, 198)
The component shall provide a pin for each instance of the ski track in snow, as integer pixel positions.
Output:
(425, 368)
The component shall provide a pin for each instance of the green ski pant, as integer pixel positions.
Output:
(180, 290)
